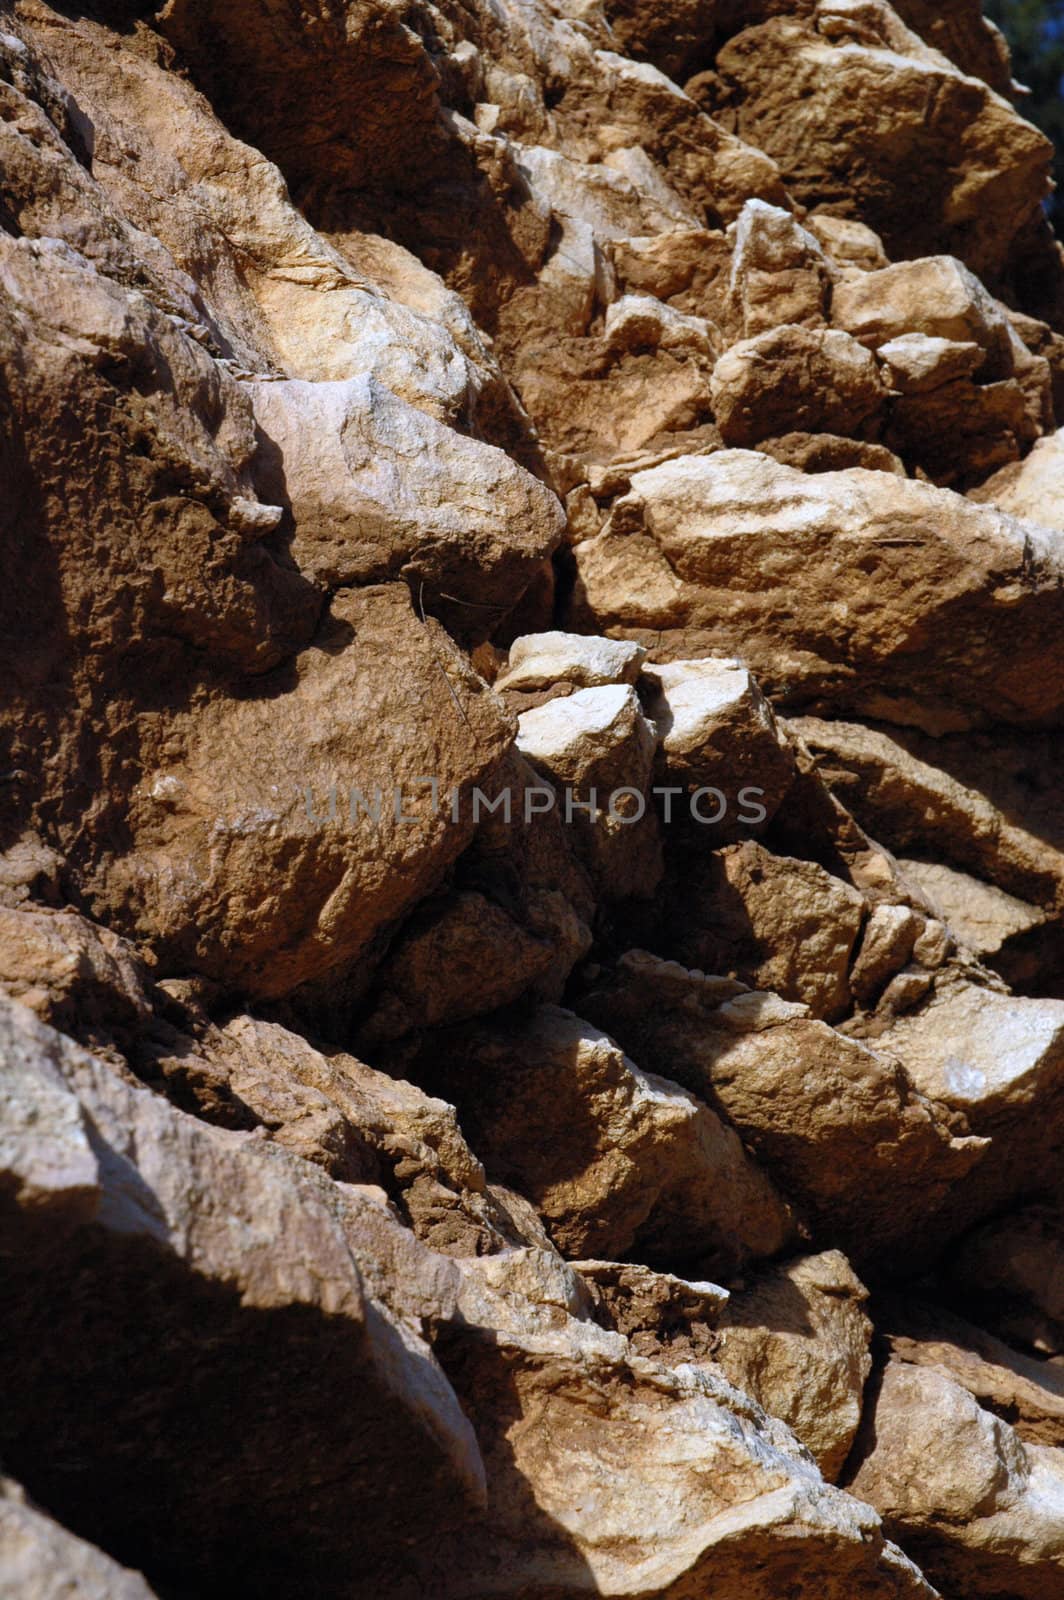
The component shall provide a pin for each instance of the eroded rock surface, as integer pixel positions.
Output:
(531, 863)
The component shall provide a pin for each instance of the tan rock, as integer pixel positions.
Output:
(936, 296)
(1026, 1393)
(794, 379)
(819, 102)
(689, 551)
(841, 1127)
(270, 848)
(1012, 1268)
(797, 1340)
(178, 1225)
(830, 452)
(982, 916)
(597, 747)
(917, 362)
(779, 272)
(979, 1509)
(772, 921)
(1032, 489)
(614, 1158)
(377, 488)
(848, 243)
(717, 730)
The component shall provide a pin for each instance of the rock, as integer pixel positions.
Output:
(889, 938)
(542, 659)
(797, 1340)
(978, 1508)
(779, 273)
(819, 101)
(773, 922)
(139, 1222)
(830, 588)
(639, 321)
(842, 1127)
(40, 1560)
(77, 977)
(669, 1319)
(829, 452)
(937, 297)
(597, 748)
(917, 362)
(1032, 489)
(719, 1492)
(716, 730)
(914, 805)
(848, 243)
(793, 379)
(616, 1160)
(1026, 1393)
(377, 489)
(983, 917)
(349, 828)
(962, 431)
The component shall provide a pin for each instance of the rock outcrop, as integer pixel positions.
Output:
(531, 864)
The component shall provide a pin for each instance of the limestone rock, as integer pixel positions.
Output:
(1032, 489)
(376, 488)
(917, 362)
(983, 916)
(542, 659)
(773, 922)
(980, 1510)
(348, 829)
(717, 730)
(817, 99)
(614, 1158)
(699, 536)
(779, 273)
(936, 296)
(1014, 1264)
(181, 1225)
(794, 379)
(797, 1340)
(664, 1317)
(598, 748)
(842, 1127)
(1024, 1392)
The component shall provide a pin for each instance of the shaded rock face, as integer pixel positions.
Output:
(531, 863)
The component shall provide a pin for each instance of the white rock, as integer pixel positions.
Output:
(917, 362)
(538, 660)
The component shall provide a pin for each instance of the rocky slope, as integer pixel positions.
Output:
(531, 856)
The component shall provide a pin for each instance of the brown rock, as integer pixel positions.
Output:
(797, 1340)
(616, 1160)
(841, 1127)
(794, 379)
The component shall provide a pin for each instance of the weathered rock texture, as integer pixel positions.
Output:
(531, 861)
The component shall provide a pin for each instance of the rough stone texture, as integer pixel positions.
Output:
(791, 380)
(135, 1215)
(982, 1508)
(797, 1340)
(617, 1160)
(349, 353)
(843, 1126)
(821, 99)
(833, 586)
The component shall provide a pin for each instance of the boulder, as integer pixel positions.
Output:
(617, 1161)
(834, 589)
(819, 99)
(126, 1225)
(976, 1506)
(795, 379)
(797, 1338)
(843, 1129)
(915, 363)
